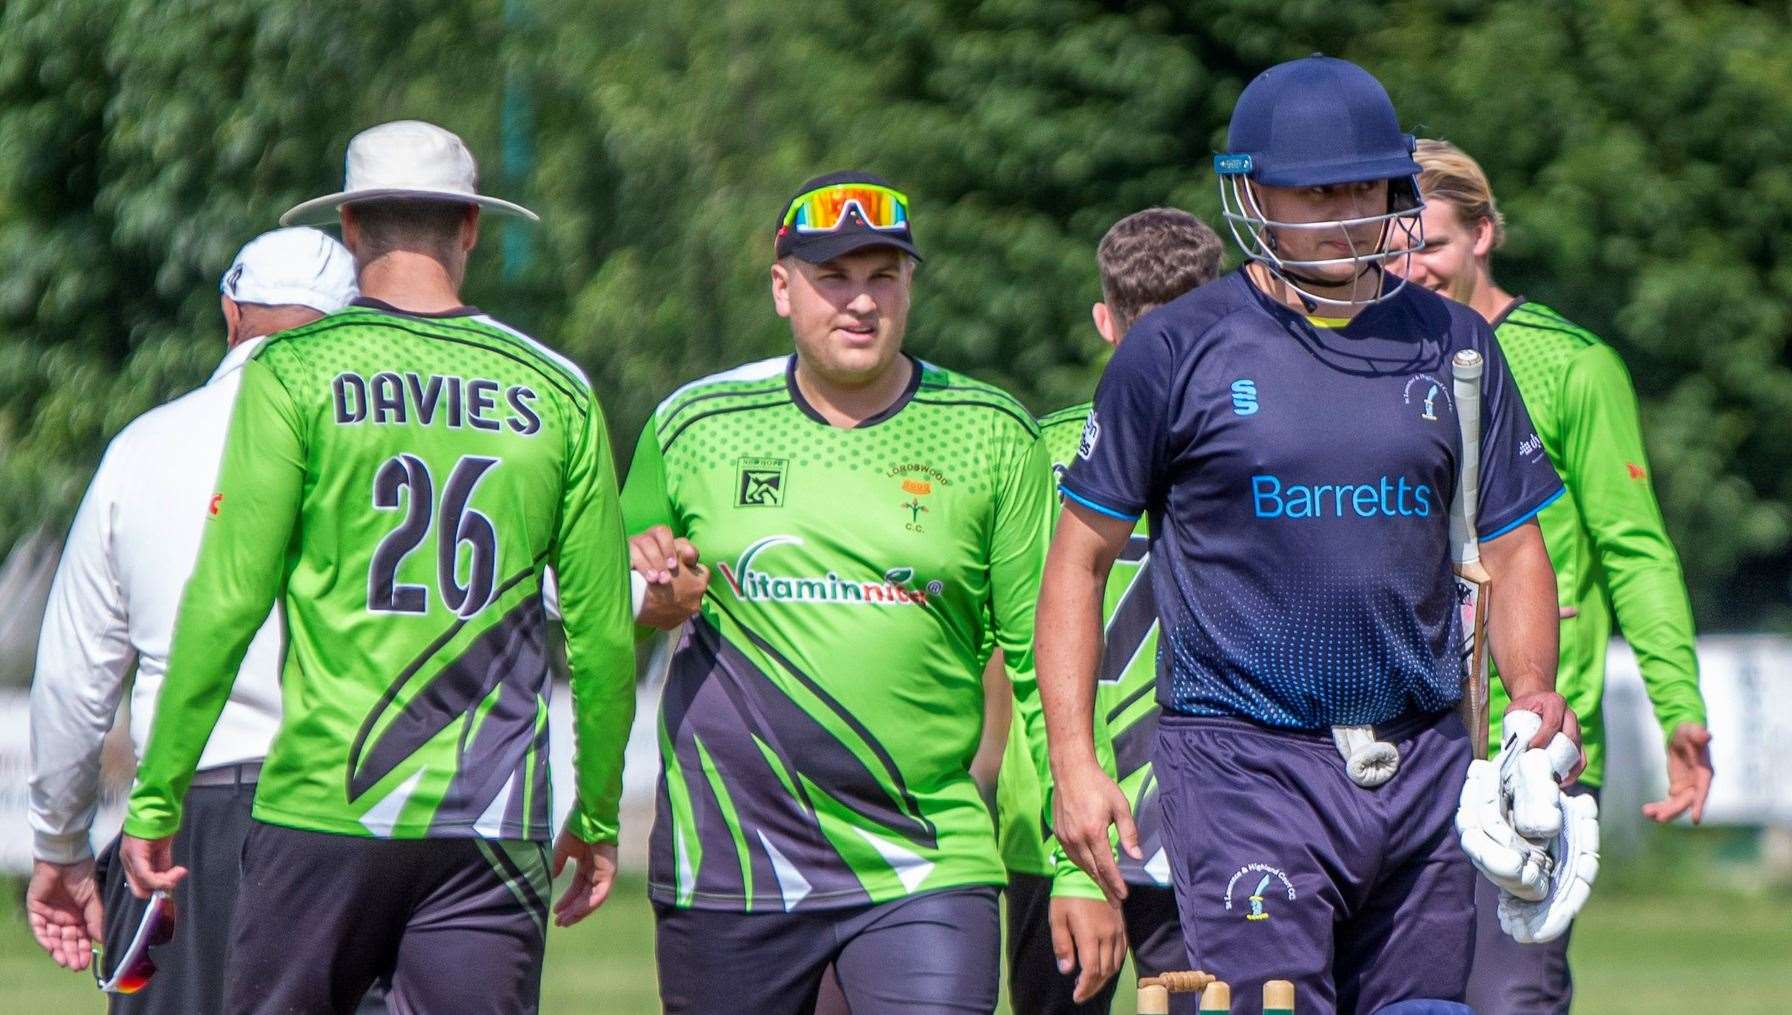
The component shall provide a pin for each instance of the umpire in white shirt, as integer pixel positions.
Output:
(128, 555)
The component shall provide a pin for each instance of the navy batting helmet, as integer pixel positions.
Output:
(1313, 122)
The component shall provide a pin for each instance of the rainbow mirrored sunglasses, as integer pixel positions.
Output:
(823, 209)
(135, 968)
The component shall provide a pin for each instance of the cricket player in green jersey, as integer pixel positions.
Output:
(1146, 260)
(875, 525)
(399, 475)
(1605, 538)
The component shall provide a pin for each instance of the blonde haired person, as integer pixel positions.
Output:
(1605, 538)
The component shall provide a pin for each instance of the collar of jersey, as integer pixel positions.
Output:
(239, 355)
(1517, 301)
(901, 402)
(369, 303)
(1314, 321)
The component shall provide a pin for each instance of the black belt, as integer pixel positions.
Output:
(244, 774)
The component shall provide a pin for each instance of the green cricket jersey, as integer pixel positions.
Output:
(1125, 702)
(400, 482)
(1605, 537)
(822, 709)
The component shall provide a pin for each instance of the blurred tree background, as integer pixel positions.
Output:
(1638, 148)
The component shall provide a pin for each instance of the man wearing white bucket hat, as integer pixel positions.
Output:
(401, 475)
(127, 558)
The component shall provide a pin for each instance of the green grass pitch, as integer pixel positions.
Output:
(1634, 953)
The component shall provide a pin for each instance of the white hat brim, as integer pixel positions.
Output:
(322, 210)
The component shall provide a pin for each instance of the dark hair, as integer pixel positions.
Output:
(427, 227)
(1151, 257)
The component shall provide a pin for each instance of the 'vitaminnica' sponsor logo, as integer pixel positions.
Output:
(753, 585)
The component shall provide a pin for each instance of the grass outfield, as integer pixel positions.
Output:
(1680, 948)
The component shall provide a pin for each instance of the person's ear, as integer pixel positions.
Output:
(1106, 324)
(781, 288)
(1483, 237)
(233, 319)
(351, 229)
(469, 228)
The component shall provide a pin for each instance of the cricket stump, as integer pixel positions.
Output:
(1216, 995)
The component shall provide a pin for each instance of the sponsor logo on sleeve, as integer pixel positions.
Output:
(1531, 446)
(1091, 434)
(1637, 472)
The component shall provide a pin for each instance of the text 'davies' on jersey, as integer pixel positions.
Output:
(823, 708)
(1297, 473)
(401, 482)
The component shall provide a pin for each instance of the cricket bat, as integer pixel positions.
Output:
(1474, 587)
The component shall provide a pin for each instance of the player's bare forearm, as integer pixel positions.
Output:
(1524, 621)
(1068, 627)
(1524, 627)
(1085, 800)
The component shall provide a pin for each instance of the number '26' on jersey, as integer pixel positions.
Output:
(402, 483)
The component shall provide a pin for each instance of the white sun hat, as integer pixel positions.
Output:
(407, 159)
(287, 267)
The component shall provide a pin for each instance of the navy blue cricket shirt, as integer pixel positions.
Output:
(1298, 479)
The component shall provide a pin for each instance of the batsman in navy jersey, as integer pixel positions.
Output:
(1291, 433)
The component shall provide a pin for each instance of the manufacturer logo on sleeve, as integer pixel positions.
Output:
(1270, 885)
(761, 482)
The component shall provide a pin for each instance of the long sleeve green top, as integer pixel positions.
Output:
(400, 483)
(1605, 537)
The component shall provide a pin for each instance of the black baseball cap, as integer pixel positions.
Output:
(852, 232)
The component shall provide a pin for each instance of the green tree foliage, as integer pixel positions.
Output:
(1637, 149)
(1640, 153)
(141, 143)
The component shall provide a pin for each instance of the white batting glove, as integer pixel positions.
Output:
(1530, 786)
(1576, 854)
(1511, 809)
(1503, 856)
